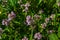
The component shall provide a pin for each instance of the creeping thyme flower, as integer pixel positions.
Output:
(52, 16)
(44, 25)
(50, 31)
(47, 20)
(1, 31)
(27, 4)
(29, 20)
(41, 11)
(37, 16)
(25, 10)
(37, 36)
(25, 38)
(11, 16)
(26, 7)
(28, 17)
(5, 22)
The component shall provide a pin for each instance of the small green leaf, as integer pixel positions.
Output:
(40, 1)
(53, 37)
(58, 14)
(58, 29)
(4, 35)
(58, 34)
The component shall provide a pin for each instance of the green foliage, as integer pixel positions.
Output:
(18, 27)
(53, 37)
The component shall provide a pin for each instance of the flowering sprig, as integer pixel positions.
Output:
(25, 38)
(26, 7)
(11, 16)
(37, 36)
(29, 20)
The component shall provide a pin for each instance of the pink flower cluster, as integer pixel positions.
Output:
(26, 7)
(10, 17)
(37, 36)
(29, 20)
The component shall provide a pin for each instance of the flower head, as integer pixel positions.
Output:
(27, 4)
(52, 16)
(29, 20)
(41, 11)
(50, 31)
(25, 38)
(37, 36)
(26, 7)
(37, 16)
(44, 25)
(28, 17)
(5, 22)
(47, 20)
(11, 16)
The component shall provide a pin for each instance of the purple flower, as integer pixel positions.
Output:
(52, 16)
(29, 20)
(25, 38)
(47, 20)
(28, 17)
(50, 31)
(41, 11)
(27, 4)
(37, 36)
(5, 22)
(1, 31)
(37, 16)
(26, 7)
(11, 16)
(44, 25)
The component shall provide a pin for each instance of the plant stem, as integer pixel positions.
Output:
(31, 34)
